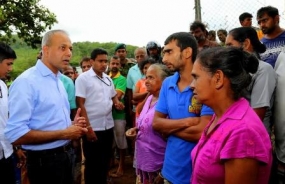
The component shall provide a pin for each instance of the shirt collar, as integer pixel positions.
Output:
(93, 74)
(116, 76)
(236, 111)
(44, 70)
(174, 79)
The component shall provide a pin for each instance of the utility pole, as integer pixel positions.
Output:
(198, 10)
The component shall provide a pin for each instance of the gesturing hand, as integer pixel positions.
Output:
(79, 121)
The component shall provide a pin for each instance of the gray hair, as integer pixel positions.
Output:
(48, 35)
(162, 70)
(140, 48)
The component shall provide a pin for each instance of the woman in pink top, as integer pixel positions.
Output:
(235, 147)
(150, 145)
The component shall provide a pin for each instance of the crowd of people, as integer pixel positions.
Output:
(192, 111)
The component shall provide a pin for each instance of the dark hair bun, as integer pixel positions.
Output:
(235, 63)
(250, 62)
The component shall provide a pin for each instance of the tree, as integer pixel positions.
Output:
(26, 18)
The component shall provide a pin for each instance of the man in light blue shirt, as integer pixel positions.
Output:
(39, 113)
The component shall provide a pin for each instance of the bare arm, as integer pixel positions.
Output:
(80, 103)
(139, 96)
(169, 126)
(74, 131)
(139, 107)
(243, 171)
(91, 136)
(194, 132)
(128, 101)
(40, 137)
(120, 94)
(188, 128)
(117, 103)
(260, 112)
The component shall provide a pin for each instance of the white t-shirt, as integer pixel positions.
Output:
(261, 90)
(279, 108)
(4, 144)
(98, 93)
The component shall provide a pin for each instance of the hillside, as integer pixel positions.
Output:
(26, 56)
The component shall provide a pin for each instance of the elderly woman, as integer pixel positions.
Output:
(263, 83)
(234, 147)
(140, 92)
(150, 145)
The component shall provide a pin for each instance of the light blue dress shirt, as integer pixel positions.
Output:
(37, 101)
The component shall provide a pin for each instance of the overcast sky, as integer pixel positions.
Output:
(137, 22)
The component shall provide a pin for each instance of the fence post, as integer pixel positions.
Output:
(198, 10)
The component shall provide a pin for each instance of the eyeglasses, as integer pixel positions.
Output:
(101, 79)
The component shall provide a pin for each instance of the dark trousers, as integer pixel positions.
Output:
(49, 168)
(97, 157)
(7, 170)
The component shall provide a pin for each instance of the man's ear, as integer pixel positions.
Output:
(187, 52)
(277, 19)
(45, 50)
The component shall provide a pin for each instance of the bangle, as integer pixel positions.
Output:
(160, 175)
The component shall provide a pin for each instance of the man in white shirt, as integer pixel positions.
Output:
(7, 169)
(95, 95)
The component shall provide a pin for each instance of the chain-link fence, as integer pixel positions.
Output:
(224, 14)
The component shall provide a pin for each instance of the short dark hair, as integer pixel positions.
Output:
(96, 52)
(244, 16)
(223, 31)
(6, 52)
(184, 40)
(235, 63)
(84, 59)
(197, 24)
(146, 61)
(269, 10)
(212, 33)
(115, 57)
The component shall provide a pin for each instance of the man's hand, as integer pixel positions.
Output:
(21, 158)
(75, 132)
(79, 121)
(132, 133)
(119, 106)
(91, 136)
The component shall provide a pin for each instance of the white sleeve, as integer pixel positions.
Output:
(279, 108)
(80, 86)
